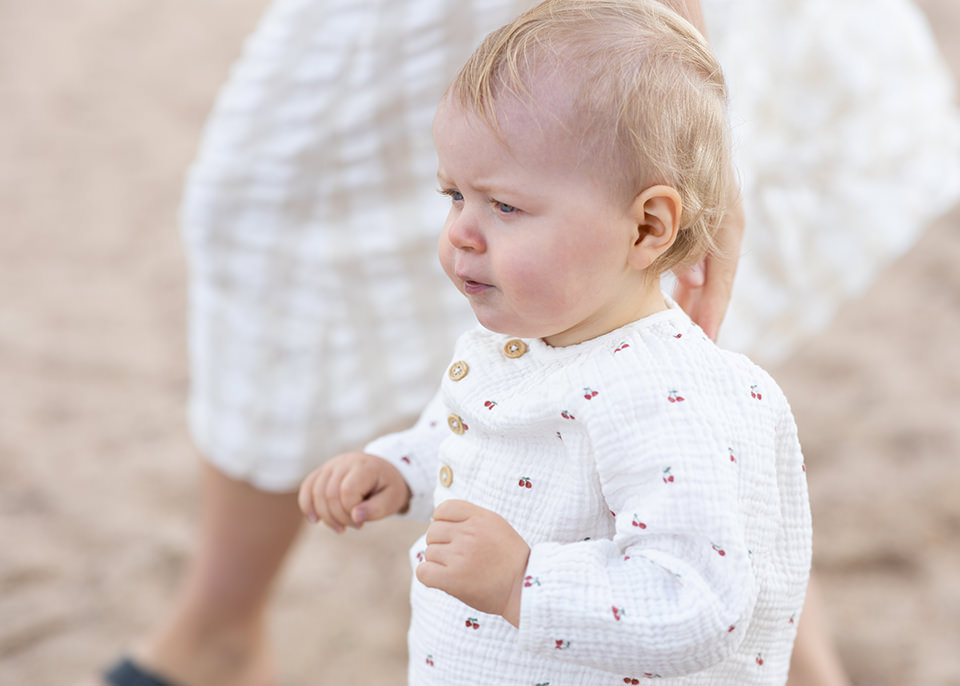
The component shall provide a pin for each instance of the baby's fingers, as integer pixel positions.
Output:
(433, 575)
(329, 501)
(305, 496)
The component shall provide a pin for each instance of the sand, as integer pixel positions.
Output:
(103, 102)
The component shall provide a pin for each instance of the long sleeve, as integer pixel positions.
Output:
(667, 594)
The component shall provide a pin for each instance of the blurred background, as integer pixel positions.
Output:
(102, 104)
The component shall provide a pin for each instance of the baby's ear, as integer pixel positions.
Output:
(656, 211)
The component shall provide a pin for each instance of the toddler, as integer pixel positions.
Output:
(613, 498)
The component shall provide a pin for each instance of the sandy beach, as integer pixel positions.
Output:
(103, 103)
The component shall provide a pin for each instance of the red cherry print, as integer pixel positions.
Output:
(430, 660)
(678, 335)
(730, 630)
(617, 612)
(525, 482)
(521, 483)
(667, 476)
(469, 623)
(720, 551)
(622, 346)
(637, 523)
(489, 404)
(589, 393)
(561, 644)
(755, 392)
(675, 397)
(759, 660)
(567, 415)
(672, 399)
(405, 459)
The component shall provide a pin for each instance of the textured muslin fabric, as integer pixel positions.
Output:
(661, 487)
(317, 310)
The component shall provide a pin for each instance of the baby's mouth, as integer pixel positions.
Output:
(474, 287)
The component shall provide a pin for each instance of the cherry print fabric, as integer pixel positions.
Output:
(660, 485)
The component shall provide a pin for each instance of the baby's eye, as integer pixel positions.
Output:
(452, 193)
(505, 208)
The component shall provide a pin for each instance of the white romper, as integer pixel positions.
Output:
(659, 482)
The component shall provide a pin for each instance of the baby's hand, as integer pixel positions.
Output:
(476, 556)
(351, 489)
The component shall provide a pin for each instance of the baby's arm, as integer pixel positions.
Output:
(672, 592)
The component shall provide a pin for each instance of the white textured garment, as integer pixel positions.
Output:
(660, 485)
(318, 313)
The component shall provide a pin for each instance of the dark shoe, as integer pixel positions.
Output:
(126, 672)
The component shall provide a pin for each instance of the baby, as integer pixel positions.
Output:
(613, 498)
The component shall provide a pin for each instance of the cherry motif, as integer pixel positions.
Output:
(675, 397)
(720, 551)
(525, 482)
(529, 581)
(759, 659)
(561, 644)
(667, 476)
(678, 335)
(405, 459)
(755, 392)
(637, 523)
(617, 612)
(567, 415)
(733, 458)
(629, 680)
(489, 404)
(589, 393)
(730, 630)
(430, 660)
(622, 346)
(472, 622)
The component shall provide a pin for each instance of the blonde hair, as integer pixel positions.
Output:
(648, 101)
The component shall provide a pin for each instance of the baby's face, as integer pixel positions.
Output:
(536, 241)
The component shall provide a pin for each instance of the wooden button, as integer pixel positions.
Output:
(456, 424)
(446, 476)
(458, 370)
(514, 348)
